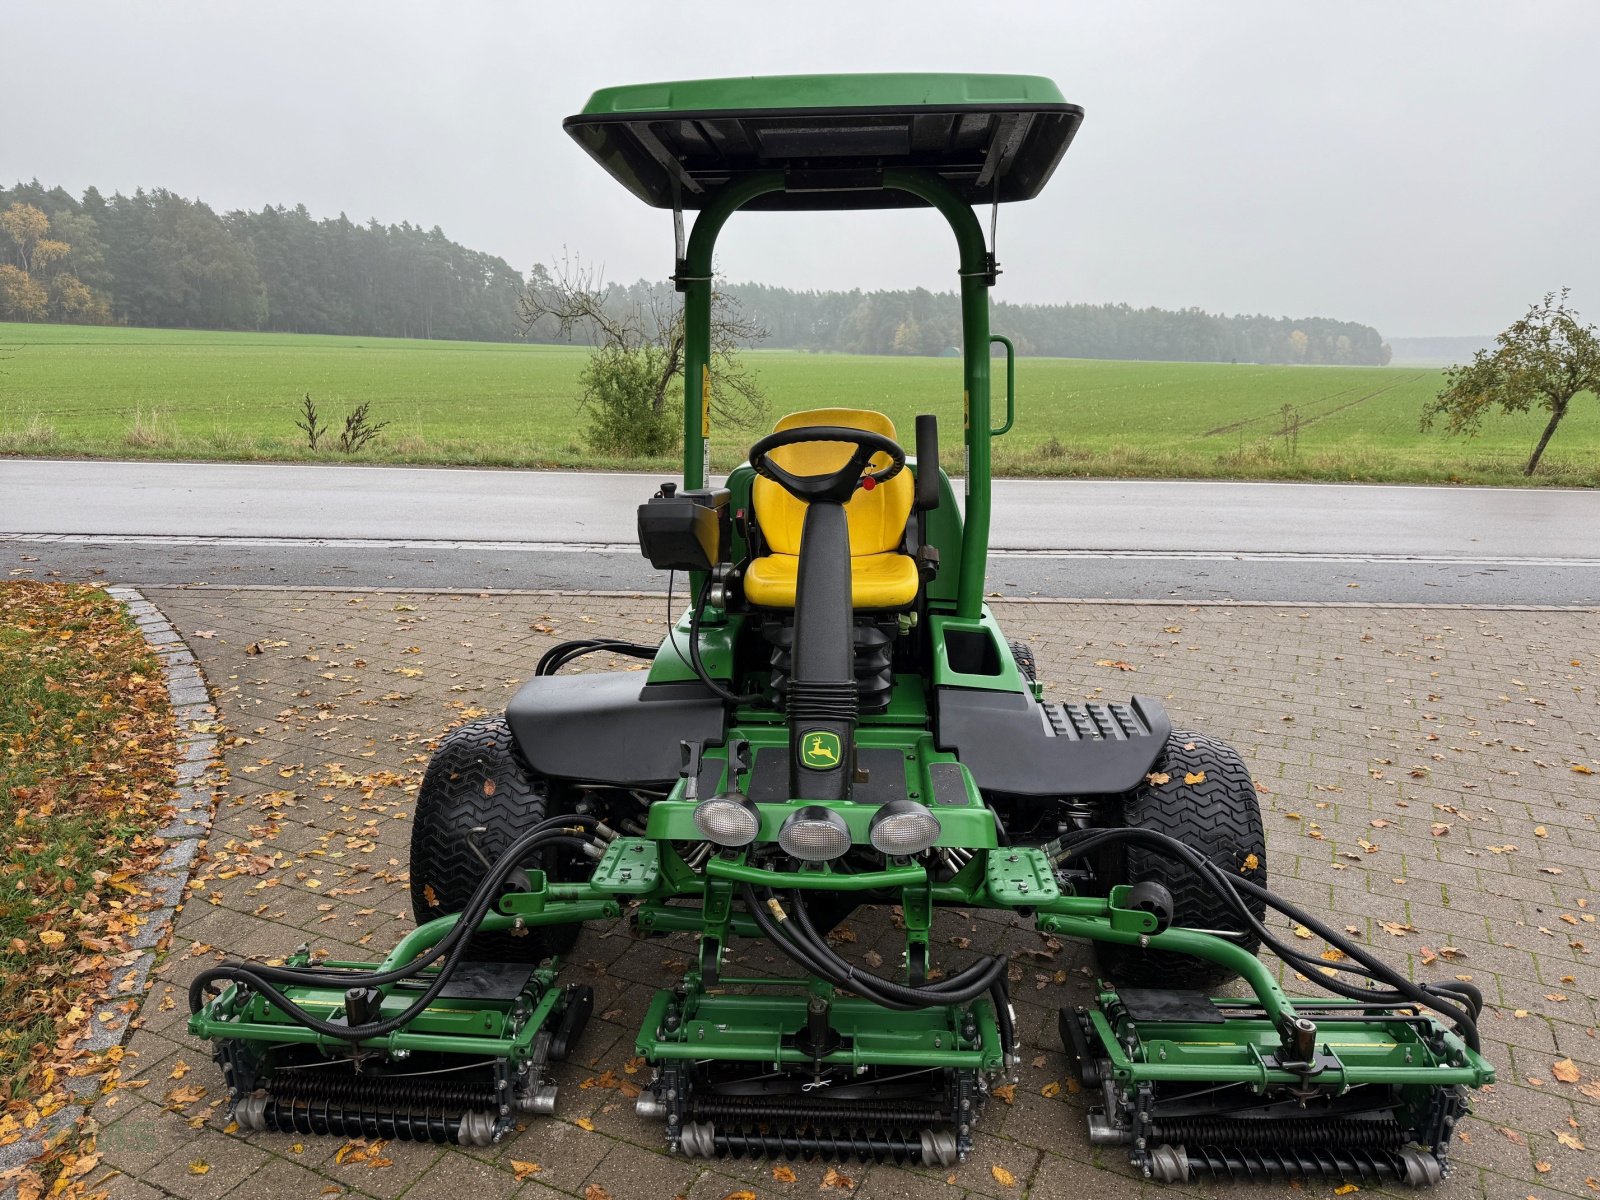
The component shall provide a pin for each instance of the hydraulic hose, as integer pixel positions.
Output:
(557, 830)
(559, 656)
(452, 946)
(799, 939)
(1460, 1008)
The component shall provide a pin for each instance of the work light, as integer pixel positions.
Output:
(730, 820)
(903, 828)
(814, 834)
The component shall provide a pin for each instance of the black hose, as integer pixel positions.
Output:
(1460, 1008)
(699, 668)
(560, 655)
(453, 946)
(799, 939)
(964, 986)
(550, 833)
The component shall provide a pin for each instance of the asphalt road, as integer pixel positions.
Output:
(300, 525)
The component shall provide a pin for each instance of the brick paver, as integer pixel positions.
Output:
(1416, 767)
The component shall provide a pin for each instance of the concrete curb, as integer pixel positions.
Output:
(1086, 601)
(188, 827)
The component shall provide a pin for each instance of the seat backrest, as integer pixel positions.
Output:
(877, 519)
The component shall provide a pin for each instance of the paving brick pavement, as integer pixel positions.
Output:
(1416, 767)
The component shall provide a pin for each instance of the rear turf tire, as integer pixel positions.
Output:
(477, 777)
(1220, 817)
(1026, 666)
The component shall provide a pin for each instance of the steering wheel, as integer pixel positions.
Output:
(837, 486)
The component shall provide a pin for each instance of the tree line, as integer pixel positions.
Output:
(156, 258)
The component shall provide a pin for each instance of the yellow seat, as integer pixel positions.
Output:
(880, 576)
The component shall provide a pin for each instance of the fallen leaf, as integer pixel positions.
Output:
(1157, 778)
(1007, 1092)
(1566, 1070)
(1194, 777)
(525, 1170)
(584, 1123)
(199, 1167)
(833, 1178)
(783, 1173)
(1002, 1176)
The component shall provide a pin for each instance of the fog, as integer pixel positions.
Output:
(1428, 168)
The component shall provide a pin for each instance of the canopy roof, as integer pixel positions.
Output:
(991, 137)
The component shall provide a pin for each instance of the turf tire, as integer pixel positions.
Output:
(1221, 817)
(1023, 653)
(477, 777)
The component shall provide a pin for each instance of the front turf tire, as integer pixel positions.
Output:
(477, 777)
(1221, 817)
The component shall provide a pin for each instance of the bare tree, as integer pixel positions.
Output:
(638, 339)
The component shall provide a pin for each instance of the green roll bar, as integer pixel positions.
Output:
(977, 273)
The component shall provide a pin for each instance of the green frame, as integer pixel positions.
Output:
(976, 272)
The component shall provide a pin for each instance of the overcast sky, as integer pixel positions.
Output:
(1429, 168)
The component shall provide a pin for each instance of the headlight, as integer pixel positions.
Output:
(903, 828)
(729, 820)
(814, 834)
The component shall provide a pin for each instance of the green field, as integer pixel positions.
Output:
(185, 394)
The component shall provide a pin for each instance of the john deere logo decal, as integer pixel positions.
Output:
(819, 750)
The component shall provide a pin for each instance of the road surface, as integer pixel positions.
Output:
(302, 524)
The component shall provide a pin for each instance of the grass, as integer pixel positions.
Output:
(86, 761)
(77, 390)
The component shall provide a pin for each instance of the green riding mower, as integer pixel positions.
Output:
(837, 721)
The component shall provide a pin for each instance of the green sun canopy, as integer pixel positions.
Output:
(991, 137)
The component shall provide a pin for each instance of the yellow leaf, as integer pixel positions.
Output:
(525, 1170)
(1300, 931)
(1007, 1092)
(837, 1179)
(1002, 1176)
(52, 937)
(1251, 862)
(1195, 777)
(740, 1195)
(1569, 1140)
(1158, 778)
(1346, 1189)
(197, 1167)
(1566, 1070)
(1050, 1090)
(783, 1173)
(584, 1123)
(1581, 769)
(179, 1069)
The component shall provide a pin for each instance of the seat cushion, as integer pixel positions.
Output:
(877, 581)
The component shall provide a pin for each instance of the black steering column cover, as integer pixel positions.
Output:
(611, 727)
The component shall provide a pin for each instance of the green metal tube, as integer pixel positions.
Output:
(1184, 941)
(865, 881)
(696, 283)
(975, 367)
(425, 937)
